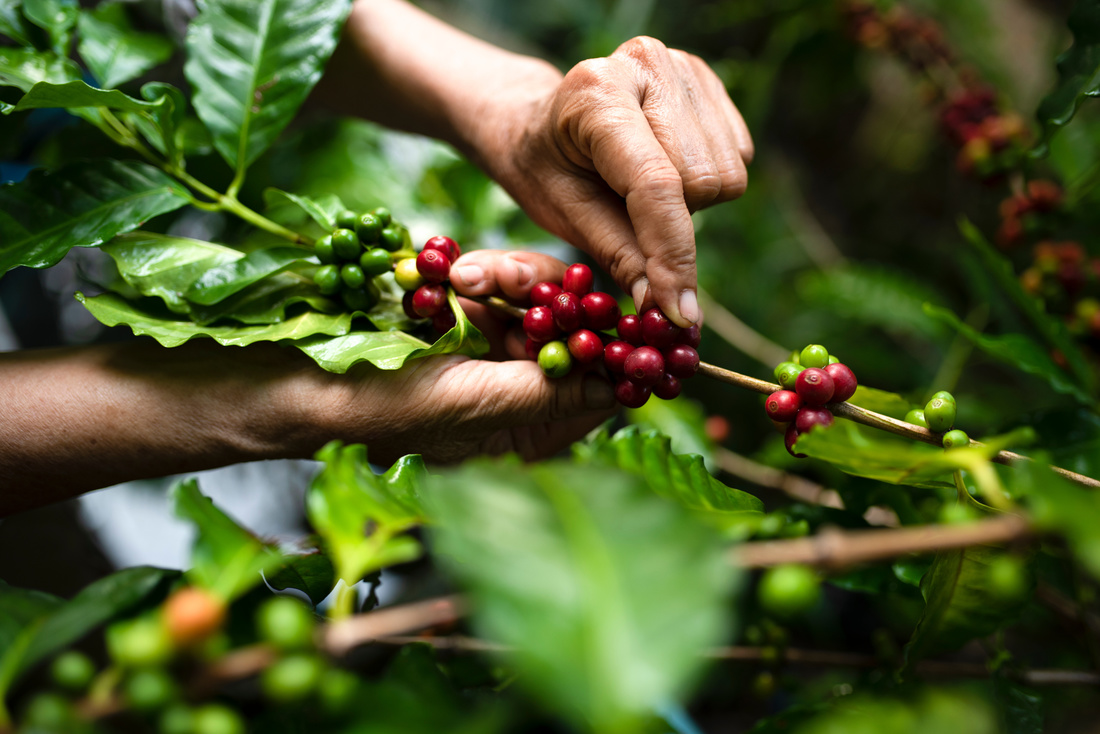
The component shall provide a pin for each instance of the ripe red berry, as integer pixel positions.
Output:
(631, 394)
(717, 428)
(601, 311)
(532, 348)
(844, 381)
(630, 329)
(808, 418)
(539, 324)
(542, 293)
(782, 405)
(585, 346)
(814, 386)
(433, 265)
(444, 321)
(788, 440)
(615, 354)
(668, 388)
(407, 304)
(566, 307)
(429, 299)
(681, 361)
(192, 614)
(690, 336)
(657, 330)
(577, 279)
(645, 366)
(445, 245)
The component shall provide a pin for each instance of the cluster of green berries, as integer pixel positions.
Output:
(190, 626)
(938, 416)
(566, 325)
(359, 250)
(811, 381)
(424, 279)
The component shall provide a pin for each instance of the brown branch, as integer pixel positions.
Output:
(790, 484)
(340, 637)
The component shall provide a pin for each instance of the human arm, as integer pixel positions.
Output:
(613, 157)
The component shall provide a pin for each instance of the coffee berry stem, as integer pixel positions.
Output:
(853, 413)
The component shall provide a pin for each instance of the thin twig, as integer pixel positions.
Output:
(790, 484)
(340, 637)
(738, 334)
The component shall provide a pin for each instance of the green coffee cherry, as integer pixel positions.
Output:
(327, 279)
(833, 360)
(375, 261)
(916, 417)
(407, 275)
(353, 276)
(72, 670)
(338, 690)
(149, 690)
(323, 250)
(346, 219)
(1007, 578)
(944, 395)
(139, 643)
(955, 439)
(48, 712)
(940, 415)
(786, 374)
(346, 245)
(788, 590)
(369, 228)
(286, 623)
(361, 299)
(394, 238)
(177, 719)
(292, 678)
(215, 718)
(555, 359)
(814, 355)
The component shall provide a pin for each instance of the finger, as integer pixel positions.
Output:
(493, 324)
(545, 439)
(487, 272)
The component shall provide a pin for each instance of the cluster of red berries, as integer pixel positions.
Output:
(811, 381)
(1068, 281)
(990, 141)
(918, 41)
(424, 279)
(1028, 212)
(565, 323)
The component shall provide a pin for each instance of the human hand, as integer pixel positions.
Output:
(614, 158)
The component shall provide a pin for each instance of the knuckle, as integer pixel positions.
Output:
(734, 182)
(703, 184)
(642, 48)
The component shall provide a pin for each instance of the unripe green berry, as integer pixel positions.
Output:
(346, 219)
(786, 374)
(788, 590)
(72, 670)
(286, 623)
(394, 238)
(48, 712)
(327, 279)
(407, 275)
(814, 355)
(369, 228)
(361, 299)
(833, 360)
(352, 275)
(177, 719)
(375, 261)
(384, 214)
(150, 689)
(955, 439)
(346, 245)
(215, 718)
(323, 250)
(555, 359)
(137, 643)
(1007, 578)
(940, 415)
(944, 395)
(292, 678)
(916, 417)
(338, 690)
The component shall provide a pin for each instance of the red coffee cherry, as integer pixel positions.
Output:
(631, 394)
(433, 265)
(809, 418)
(657, 330)
(788, 440)
(782, 405)
(539, 324)
(630, 329)
(585, 346)
(566, 308)
(814, 386)
(542, 293)
(601, 311)
(407, 304)
(615, 354)
(429, 299)
(668, 388)
(681, 361)
(444, 321)
(645, 366)
(844, 381)
(532, 348)
(577, 279)
(192, 614)
(690, 336)
(445, 245)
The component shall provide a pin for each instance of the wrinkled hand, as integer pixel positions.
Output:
(616, 156)
(448, 408)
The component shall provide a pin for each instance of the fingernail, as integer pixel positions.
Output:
(639, 292)
(470, 274)
(598, 394)
(689, 306)
(524, 272)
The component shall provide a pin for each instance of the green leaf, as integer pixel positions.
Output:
(880, 401)
(360, 515)
(960, 604)
(865, 453)
(1050, 328)
(23, 69)
(1078, 73)
(683, 421)
(113, 50)
(81, 205)
(608, 593)
(1017, 350)
(939, 711)
(20, 608)
(323, 211)
(56, 17)
(12, 24)
(1020, 709)
(225, 558)
(72, 95)
(253, 62)
(267, 301)
(222, 281)
(148, 320)
(311, 573)
(1060, 506)
(161, 125)
(681, 477)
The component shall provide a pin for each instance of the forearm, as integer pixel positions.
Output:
(83, 418)
(408, 70)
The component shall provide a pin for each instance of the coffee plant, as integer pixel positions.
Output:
(933, 566)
